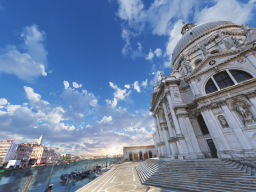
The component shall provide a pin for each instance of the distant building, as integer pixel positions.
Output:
(8, 150)
(23, 153)
(66, 155)
(139, 152)
(39, 154)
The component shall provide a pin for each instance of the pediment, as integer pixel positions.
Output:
(211, 61)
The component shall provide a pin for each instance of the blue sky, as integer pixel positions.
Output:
(79, 72)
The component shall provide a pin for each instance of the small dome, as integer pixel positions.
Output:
(195, 32)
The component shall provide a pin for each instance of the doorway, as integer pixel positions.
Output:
(130, 156)
(212, 148)
(141, 158)
(150, 154)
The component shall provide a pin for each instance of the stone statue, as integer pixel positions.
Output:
(236, 42)
(162, 74)
(183, 57)
(220, 35)
(158, 82)
(245, 28)
(229, 43)
(187, 67)
(204, 50)
(247, 116)
(223, 121)
(153, 83)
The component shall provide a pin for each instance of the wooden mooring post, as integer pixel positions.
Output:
(28, 184)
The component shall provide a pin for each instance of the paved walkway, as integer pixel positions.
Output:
(121, 178)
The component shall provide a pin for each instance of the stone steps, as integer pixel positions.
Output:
(198, 175)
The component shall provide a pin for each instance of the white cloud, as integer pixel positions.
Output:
(106, 120)
(3, 101)
(144, 83)
(29, 64)
(136, 86)
(127, 86)
(75, 85)
(229, 10)
(158, 52)
(140, 46)
(150, 55)
(175, 36)
(130, 9)
(66, 84)
(35, 98)
(120, 93)
(112, 103)
(88, 126)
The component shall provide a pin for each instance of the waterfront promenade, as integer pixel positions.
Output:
(121, 178)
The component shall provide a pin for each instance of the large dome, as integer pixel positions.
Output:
(197, 31)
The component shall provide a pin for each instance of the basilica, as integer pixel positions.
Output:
(206, 107)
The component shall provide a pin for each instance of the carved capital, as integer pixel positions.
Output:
(183, 115)
(251, 94)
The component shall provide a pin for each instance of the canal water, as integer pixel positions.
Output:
(15, 180)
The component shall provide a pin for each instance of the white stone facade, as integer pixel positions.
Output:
(135, 153)
(207, 106)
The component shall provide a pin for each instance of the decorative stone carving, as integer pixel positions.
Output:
(162, 74)
(236, 42)
(153, 83)
(241, 60)
(198, 79)
(192, 115)
(187, 67)
(250, 95)
(204, 50)
(250, 33)
(220, 35)
(212, 62)
(223, 121)
(176, 95)
(159, 82)
(229, 43)
(247, 116)
(254, 137)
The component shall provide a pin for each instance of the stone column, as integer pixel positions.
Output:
(252, 97)
(233, 123)
(190, 137)
(157, 135)
(173, 144)
(161, 136)
(174, 118)
(215, 132)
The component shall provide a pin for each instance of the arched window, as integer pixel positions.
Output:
(202, 125)
(240, 75)
(210, 87)
(223, 80)
(197, 62)
(215, 51)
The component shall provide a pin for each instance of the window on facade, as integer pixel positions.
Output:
(240, 75)
(197, 62)
(210, 87)
(202, 125)
(223, 80)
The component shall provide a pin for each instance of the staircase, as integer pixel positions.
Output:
(198, 175)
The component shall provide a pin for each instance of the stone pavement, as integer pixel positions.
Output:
(121, 178)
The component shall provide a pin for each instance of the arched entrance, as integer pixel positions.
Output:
(141, 157)
(130, 156)
(205, 131)
(150, 154)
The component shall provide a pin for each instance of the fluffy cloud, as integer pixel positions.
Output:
(120, 93)
(112, 103)
(136, 86)
(230, 10)
(35, 98)
(158, 52)
(30, 63)
(3, 101)
(144, 83)
(150, 55)
(106, 120)
(127, 86)
(75, 85)
(175, 36)
(66, 84)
